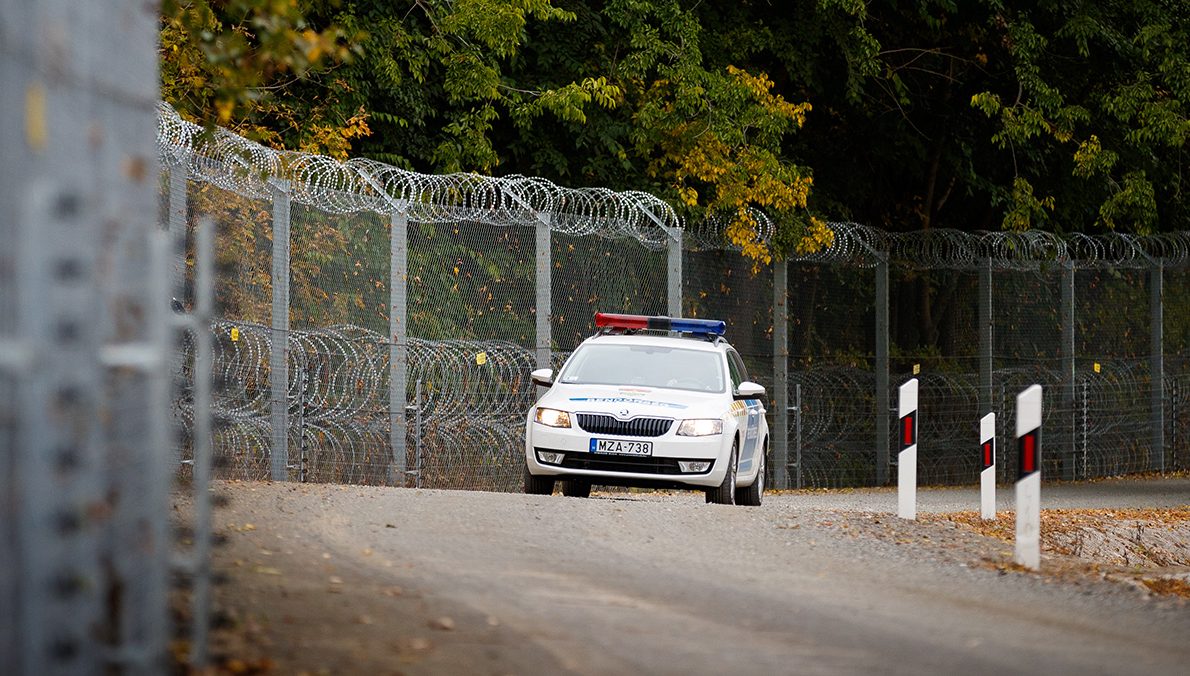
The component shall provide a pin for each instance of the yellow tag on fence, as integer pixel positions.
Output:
(1096, 367)
(481, 358)
(916, 369)
(235, 334)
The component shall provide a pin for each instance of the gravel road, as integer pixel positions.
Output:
(380, 580)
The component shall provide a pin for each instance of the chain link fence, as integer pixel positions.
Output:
(977, 317)
(378, 326)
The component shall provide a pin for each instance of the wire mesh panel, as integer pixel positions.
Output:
(1112, 389)
(599, 274)
(243, 292)
(471, 400)
(472, 303)
(339, 269)
(1176, 344)
(1112, 311)
(1026, 318)
(948, 417)
(243, 250)
(934, 337)
(831, 336)
(722, 284)
(337, 393)
(471, 280)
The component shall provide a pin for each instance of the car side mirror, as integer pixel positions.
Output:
(749, 390)
(543, 377)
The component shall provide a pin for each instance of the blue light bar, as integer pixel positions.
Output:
(710, 327)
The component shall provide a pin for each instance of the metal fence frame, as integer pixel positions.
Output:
(406, 198)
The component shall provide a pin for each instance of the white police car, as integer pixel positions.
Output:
(650, 402)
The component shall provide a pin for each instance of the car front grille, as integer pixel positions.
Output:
(637, 427)
(621, 463)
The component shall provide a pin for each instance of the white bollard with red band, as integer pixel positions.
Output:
(1028, 483)
(987, 457)
(907, 458)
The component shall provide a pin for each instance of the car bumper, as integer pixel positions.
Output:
(662, 467)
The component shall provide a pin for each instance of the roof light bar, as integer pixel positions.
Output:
(713, 327)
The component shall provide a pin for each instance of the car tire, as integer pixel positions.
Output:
(538, 485)
(576, 488)
(752, 495)
(725, 493)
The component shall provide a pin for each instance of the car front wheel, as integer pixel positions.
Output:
(576, 488)
(538, 485)
(751, 495)
(724, 494)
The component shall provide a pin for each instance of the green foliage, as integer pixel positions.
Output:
(1105, 95)
(231, 63)
(906, 115)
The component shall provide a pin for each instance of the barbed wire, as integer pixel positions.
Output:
(864, 246)
(236, 164)
(474, 395)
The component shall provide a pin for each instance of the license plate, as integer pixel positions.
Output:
(621, 447)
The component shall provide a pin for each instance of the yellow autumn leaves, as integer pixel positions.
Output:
(732, 170)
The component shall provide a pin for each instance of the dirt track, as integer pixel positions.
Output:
(377, 580)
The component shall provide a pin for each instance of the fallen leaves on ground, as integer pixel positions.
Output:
(1146, 546)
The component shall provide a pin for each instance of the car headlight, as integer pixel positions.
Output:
(551, 417)
(700, 427)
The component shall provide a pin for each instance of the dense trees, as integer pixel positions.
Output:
(906, 115)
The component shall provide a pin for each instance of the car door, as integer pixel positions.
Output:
(753, 411)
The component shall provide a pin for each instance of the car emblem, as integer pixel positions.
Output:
(623, 413)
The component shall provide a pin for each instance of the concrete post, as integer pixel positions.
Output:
(398, 348)
(781, 374)
(544, 285)
(1157, 366)
(178, 176)
(986, 328)
(881, 367)
(674, 278)
(1068, 336)
(279, 344)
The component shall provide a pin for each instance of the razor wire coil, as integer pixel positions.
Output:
(241, 166)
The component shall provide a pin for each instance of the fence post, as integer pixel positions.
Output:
(544, 285)
(674, 253)
(58, 460)
(985, 337)
(882, 407)
(279, 345)
(781, 374)
(178, 176)
(398, 347)
(1067, 361)
(798, 433)
(200, 602)
(1157, 366)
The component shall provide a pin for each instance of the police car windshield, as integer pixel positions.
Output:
(646, 366)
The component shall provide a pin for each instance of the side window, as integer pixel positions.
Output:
(735, 366)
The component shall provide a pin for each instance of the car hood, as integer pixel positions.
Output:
(637, 401)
